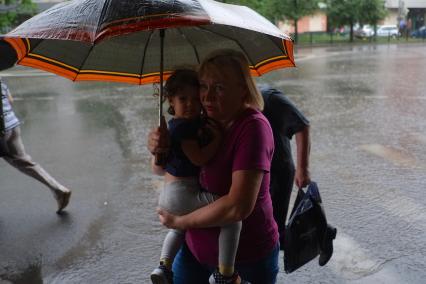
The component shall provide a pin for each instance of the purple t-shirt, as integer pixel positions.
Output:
(248, 145)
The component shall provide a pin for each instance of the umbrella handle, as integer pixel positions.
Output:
(161, 96)
(161, 157)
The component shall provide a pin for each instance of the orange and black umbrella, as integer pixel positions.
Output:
(137, 41)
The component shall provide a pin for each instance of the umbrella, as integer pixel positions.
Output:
(137, 41)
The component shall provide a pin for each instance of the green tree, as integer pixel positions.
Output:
(350, 12)
(343, 12)
(371, 12)
(276, 10)
(12, 12)
(292, 10)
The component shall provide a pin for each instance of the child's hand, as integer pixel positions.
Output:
(209, 132)
(215, 128)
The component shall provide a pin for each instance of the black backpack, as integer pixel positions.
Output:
(307, 232)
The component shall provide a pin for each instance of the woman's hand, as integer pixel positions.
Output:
(169, 220)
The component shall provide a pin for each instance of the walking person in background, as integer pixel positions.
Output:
(286, 121)
(193, 142)
(12, 150)
(239, 174)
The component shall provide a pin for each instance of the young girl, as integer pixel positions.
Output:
(193, 143)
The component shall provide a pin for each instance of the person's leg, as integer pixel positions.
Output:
(18, 158)
(281, 187)
(186, 196)
(171, 244)
(187, 270)
(229, 238)
(261, 272)
(178, 197)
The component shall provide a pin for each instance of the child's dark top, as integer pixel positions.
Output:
(177, 163)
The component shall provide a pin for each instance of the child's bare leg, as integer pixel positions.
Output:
(228, 244)
(172, 243)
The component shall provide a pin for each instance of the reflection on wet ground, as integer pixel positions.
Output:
(32, 274)
(366, 106)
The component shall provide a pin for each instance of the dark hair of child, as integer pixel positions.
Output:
(179, 80)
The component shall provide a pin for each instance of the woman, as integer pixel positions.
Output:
(239, 174)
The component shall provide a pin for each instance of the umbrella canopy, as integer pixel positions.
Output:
(119, 40)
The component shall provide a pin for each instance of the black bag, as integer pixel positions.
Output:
(307, 228)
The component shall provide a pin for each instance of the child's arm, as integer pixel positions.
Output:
(201, 155)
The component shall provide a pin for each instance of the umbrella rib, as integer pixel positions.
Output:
(34, 47)
(230, 38)
(101, 16)
(144, 53)
(192, 45)
(276, 44)
(281, 49)
(84, 61)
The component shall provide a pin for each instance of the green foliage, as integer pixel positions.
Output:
(349, 12)
(372, 11)
(290, 9)
(11, 11)
(276, 10)
(343, 12)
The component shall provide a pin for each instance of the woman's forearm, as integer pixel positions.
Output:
(235, 206)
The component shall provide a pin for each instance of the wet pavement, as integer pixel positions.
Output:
(367, 110)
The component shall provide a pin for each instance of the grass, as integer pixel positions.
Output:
(327, 38)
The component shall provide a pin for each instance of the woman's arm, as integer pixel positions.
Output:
(235, 206)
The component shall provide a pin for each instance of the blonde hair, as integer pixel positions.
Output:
(237, 62)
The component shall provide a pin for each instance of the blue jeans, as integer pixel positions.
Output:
(187, 270)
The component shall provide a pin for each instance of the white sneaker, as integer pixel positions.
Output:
(162, 275)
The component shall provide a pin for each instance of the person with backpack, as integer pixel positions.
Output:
(286, 121)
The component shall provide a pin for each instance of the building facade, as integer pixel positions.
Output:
(412, 13)
(409, 12)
